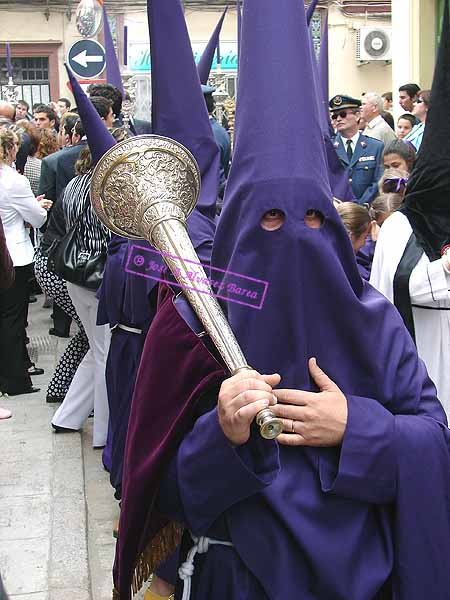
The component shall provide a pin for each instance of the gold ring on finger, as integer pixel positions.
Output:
(292, 426)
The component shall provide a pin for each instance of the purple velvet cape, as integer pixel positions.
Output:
(176, 368)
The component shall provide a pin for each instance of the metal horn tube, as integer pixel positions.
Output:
(145, 188)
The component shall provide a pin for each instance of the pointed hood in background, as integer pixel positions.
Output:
(8, 60)
(99, 138)
(206, 61)
(239, 25)
(337, 174)
(323, 64)
(113, 75)
(427, 200)
(178, 106)
(310, 11)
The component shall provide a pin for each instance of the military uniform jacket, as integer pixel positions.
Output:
(365, 168)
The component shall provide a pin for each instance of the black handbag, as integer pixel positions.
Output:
(67, 261)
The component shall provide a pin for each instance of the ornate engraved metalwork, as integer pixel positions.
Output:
(10, 92)
(147, 173)
(145, 188)
(129, 103)
(88, 17)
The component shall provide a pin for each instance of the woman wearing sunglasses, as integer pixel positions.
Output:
(420, 111)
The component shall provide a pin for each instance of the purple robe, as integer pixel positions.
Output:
(124, 299)
(364, 258)
(324, 523)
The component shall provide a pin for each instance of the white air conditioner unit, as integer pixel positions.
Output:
(373, 43)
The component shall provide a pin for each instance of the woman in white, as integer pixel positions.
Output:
(18, 206)
(411, 266)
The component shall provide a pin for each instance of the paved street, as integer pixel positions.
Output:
(56, 505)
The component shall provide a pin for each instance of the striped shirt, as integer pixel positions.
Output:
(91, 236)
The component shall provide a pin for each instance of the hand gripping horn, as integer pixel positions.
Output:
(145, 188)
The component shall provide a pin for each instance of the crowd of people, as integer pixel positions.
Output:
(324, 511)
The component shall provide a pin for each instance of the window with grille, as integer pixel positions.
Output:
(31, 76)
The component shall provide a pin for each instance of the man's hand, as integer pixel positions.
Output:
(241, 397)
(312, 418)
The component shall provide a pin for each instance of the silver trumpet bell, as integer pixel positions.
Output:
(145, 188)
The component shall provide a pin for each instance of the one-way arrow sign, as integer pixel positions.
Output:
(87, 59)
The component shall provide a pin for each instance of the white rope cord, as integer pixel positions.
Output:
(185, 572)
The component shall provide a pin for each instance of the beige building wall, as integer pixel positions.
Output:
(414, 47)
(346, 75)
(32, 27)
(413, 21)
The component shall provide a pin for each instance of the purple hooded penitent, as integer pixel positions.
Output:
(182, 117)
(113, 75)
(205, 63)
(99, 138)
(327, 513)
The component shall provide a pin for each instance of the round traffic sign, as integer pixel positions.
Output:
(87, 59)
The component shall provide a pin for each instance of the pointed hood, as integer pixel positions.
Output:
(181, 116)
(206, 61)
(323, 64)
(310, 11)
(99, 138)
(427, 201)
(8, 60)
(113, 75)
(337, 174)
(282, 166)
(239, 26)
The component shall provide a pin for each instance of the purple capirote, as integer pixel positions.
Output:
(99, 138)
(181, 116)
(206, 60)
(327, 513)
(113, 75)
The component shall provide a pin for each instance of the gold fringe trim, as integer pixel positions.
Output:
(159, 548)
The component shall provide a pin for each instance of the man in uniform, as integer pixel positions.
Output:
(359, 154)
